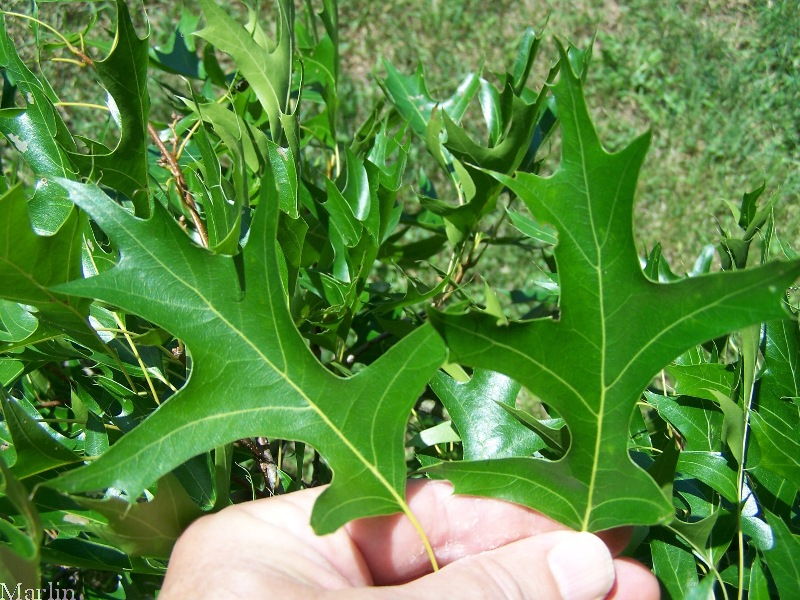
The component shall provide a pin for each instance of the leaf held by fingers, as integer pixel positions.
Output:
(616, 330)
(357, 423)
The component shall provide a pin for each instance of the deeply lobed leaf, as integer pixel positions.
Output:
(616, 329)
(357, 423)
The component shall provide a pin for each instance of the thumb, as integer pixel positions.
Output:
(559, 565)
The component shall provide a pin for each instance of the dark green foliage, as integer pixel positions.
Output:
(252, 299)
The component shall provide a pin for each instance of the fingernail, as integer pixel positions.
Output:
(582, 567)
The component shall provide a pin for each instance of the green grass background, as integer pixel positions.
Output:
(718, 82)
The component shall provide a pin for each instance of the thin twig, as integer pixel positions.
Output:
(350, 359)
(180, 182)
(138, 357)
(173, 123)
(455, 281)
(49, 403)
(472, 259)
(71, 61)
(85, 60)
(259, 447)
(186, 139)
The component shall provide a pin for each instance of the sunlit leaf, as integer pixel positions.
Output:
(30, 264)
(123, 73)
(675, 567)
(486, 429)
(38, 133)
(267, 68)
(287, 393)
(776, 419)
(409, 93)
(782, 559)
(615, 331)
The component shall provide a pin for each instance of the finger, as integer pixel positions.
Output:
(248, 549)
(455, 525)
(634, 582)
(616, 539)
(553, 566)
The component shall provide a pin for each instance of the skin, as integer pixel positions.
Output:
(487, 549)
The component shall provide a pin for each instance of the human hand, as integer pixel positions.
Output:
(488, 549)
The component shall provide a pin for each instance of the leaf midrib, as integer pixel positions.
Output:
(44, 289)
(598, 267)
(657, 338)
(600, 414)
(339, 434)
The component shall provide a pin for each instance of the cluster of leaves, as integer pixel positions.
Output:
(249, 300)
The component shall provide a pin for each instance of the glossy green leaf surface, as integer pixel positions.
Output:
(146, 528)
(776, 419)
(697, 420)
(37, 446)
(181, 57)
(702, 380)
(758, 588)
(16, 323)
(19, 550)
(357, 423)
(532, 229)
(712, 469)
(267, 65)
(38, 133)
(526, 124)
(410, 95)
(615, 330)
(9, 370)
(487, 430)
(272, 296)
(30, 264)
(782, 559)
(675, 567)
(123, 73)
(223, 212)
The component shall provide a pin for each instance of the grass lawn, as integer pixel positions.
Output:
(717, 81)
